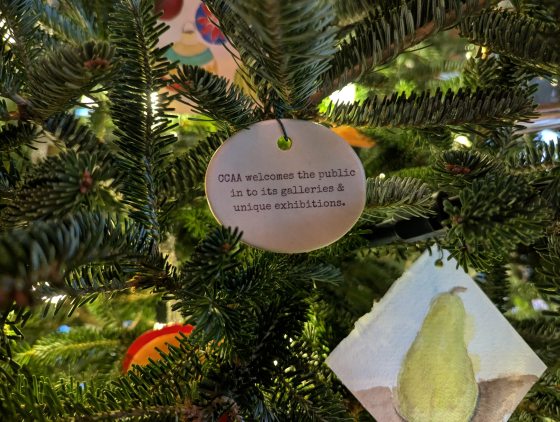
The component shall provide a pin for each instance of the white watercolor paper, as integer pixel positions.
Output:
(369, 360)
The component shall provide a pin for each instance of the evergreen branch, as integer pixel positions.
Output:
(64, 184)
(183, 358)
(13, 136)
(45, 251)
(456, 169)
(395, 199)
(187, 171)
(12, 319)
(496, 285)
(65, 29)
(58, 349)
(300, 397)
(496, 71)
(214, 256)
(95, 279)
(9, 181)
(543, 335)
(214, 96)
(542, 401)
(288, 44)
(528, 40)
(57, 80)
(21, 26)
(496, 214)
(351, 11)
(495, 107)
(541, 162)
(93, 16)
(140, 119)
(82, 286)
(549, 266)
(379, 38)
(68, 129)
(537, 156)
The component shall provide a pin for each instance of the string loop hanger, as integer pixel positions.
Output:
(284, 142)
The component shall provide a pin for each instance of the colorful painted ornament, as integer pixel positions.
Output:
(447, 355)
(170, 8)
(196, 40)
(144, 347)
(354, 137)
(206, 25)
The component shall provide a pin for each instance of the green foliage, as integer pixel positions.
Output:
(13, 136)
(386, 32)
(12, 319)
(54, 247)
(538, 156)
(457, 169)
(516, 35)
(543, 337)
(60, 349)
(21, 26)
(67, 129)
(550, 268)
(495, 215)
(67, 30)
(215, 97)
(425, 110)
(542, 401)
(304, 28)
(140, 119)
(394, 199)
(67, 183)
(58, 79)
(186, 172)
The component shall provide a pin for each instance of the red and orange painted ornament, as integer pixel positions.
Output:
(144, 347)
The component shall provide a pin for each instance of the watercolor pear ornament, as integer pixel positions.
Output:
(436, 381)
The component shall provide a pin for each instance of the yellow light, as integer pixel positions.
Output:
(549, 136)
(154, 99)
(463, 140)
(346, 95)
(54, 299)
(7, 36)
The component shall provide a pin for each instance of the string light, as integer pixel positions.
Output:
(54, 299)
(549, 136)
(346, 95)
(463, 140)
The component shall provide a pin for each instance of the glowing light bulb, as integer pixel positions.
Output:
(54, 299)
(154, 99)
(549, 136)
(463, 140)
(346, 95)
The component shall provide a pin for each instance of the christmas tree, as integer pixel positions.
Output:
(109, 232)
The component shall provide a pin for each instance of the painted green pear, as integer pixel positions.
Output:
(436, 381)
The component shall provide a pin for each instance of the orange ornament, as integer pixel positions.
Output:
(144, 347)
(354, 137)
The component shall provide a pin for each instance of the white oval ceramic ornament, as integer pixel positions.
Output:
(289, 201)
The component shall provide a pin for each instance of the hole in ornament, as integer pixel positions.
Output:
(284, 143)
